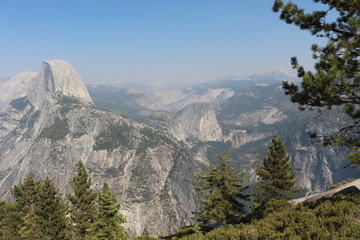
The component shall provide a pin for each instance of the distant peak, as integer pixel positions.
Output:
(59, 76)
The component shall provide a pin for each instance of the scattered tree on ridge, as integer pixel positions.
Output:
(83, 208)
(108, 222)
(336, 81)
(277, 180)
(220, 192)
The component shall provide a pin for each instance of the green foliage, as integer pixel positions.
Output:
(329, 218)
(83, 208)
(290, 223)
(31, 228)
(42, 210)
(333, 218)
(146, 238)
(219, 191)
(9, 221)
(341, 183)
(20, 103)
(26, 194)
(114, 136)
(57, 131)
(152, 138)
(191, 232)
(39, 212)
(50, 211)
(108, 222)
(63, 100)
(336, 81)
(277, 180)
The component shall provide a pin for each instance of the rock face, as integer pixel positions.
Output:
(60, 77)
(251, 118)
(196, 121)
(48, 123)
(255, 110)
(174, 100)
(266, 115)
(350, 187)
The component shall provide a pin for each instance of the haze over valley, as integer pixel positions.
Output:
(50, 121)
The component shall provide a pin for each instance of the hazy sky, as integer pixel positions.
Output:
(150, 40)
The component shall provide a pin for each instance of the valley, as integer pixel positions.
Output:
(148, 145)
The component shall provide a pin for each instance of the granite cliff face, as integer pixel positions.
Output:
(197, 121)
(48, 123)
(252, 117)
(242, 123)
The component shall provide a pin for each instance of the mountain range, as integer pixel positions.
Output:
(148, 145)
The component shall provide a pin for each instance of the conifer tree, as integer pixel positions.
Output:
(220, 192)
(108, 222)
(83, 203)
(9, 221)
(26, 194)
(42, 210)
(336, 81)
(277, 180)
(50, 212)
(31, 229)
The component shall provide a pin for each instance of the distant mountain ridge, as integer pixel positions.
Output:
(49, 121)
(253, 109)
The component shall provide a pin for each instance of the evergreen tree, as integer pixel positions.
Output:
(83, 209)
(277, 180)
(220, 192)
(336, 81)
(31, 229)
(108, 222)
(9, 221)
(26, 194)
(50, 212)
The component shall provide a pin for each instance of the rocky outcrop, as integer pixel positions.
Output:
(238, 138)
(350, 187)
(197, 122)
(60, 77)
(266, 115)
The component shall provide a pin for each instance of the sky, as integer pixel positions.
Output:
(150, 41)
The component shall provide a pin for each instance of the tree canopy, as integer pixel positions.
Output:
(39, 211)
(83, 202)
(336, 80)
(277, 180)
(108, 222)
(220, 192)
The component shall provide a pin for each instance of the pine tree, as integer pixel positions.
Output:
(41, 208)
(31, 229)
(277, 180)
(336, 81)
(26, 194)
(9, 221)
(108, 222)
(83, 209)
(50, 212)
(220, 192)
